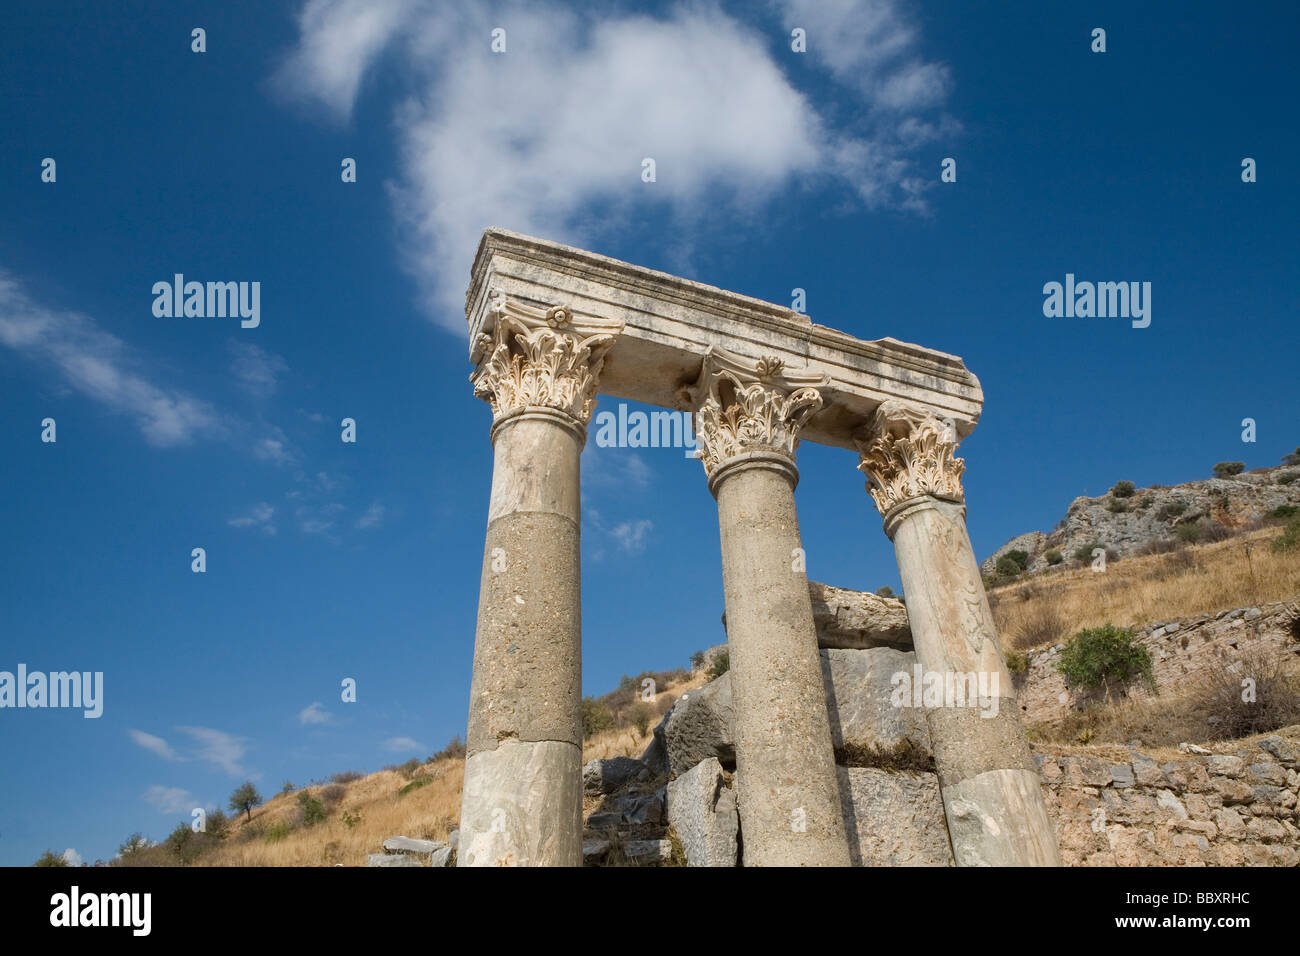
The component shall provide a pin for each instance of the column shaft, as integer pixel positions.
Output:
(788, 793)
(522, 802)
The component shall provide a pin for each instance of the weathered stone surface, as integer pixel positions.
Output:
(610, 775)
(856, 619)
(392, 859)
(893, 819)
(858, 697)
(702, 812)
(441, 857)
(412, 846)
(699, 726)
(647, 851)
(630, 809)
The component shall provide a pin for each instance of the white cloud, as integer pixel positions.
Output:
(170, 799)
(402, 745)
(631, 535)
(155, 745)
(72, 857)
(218, 748)
(371, 517)
(98, 365)
(259, 516)
(538, 137)
(256, 370)
(314, 713)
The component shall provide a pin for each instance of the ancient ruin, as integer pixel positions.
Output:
(550, 327)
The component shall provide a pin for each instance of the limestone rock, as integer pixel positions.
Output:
(608, 776)
(699, 726)
(702, 811)
(392, 859)
(858, 688)
(413, 847)
(856, 619)
(647, 851)
(893, 819)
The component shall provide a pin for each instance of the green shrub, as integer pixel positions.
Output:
(642, 714)
(351, 819)
(1285, 511)
(885, 592)
(697, 660)
(1292, 459)
(312, 810)
(1007, 567)
(1171, 509)
(50, 858)
(1226, 469)
(1054, 557)
(595, 717)
(415, 784)
(1020, 557)
(1018, 663)
(1123, 489)
(1289, 478)
(288, 787)
(276, 832)
(1106, 657)
(721, 664)
(1116, 506)
(1188, 533)
(1084, 552)
(1290, 538)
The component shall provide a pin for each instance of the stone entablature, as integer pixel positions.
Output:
(671, 322)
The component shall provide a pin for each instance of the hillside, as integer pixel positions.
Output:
(1128, 521)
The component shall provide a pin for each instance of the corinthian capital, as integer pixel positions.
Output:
(908, 452)
(744, 404)
(539, 356)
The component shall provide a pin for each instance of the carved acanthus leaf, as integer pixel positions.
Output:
(908, 452)
(544, 357)
(747, 405)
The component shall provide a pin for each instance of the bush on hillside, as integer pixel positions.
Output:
(1054, 557)
(1123, 489)
(1105, 658)
(1226, 469)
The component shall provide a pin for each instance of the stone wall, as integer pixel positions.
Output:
(1232, 805)
(1181, 651)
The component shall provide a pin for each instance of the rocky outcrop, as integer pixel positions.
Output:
(855, 619)
(1125, 525)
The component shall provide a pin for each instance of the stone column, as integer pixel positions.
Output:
(522, 800)
(991, 788)
(747, 419)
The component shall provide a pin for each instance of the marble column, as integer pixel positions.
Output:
(747, 419)
(522, 800)
(991, 788)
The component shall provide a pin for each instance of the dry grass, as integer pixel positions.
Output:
(427, 812)
(1198, 579)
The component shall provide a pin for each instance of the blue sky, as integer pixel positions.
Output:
(775, 170)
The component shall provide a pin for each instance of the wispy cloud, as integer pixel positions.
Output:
(222, 750)
(170, 799)
(259, 517)
(255, 370)
(631, 535)
(314, 713)
(155, 745)
(531, 140)
(402, 745)
(100, 366)
(371, 517)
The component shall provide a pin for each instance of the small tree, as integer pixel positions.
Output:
(721, 664)
(1226, 469)
(697, 660)
(313, 811)
(50, 858)
(1100, 658)
(1054, 557)
(885, 592)
(1293, 458)
(288, 787)
(595, 717)
(1007, 567)
(1123, 489)
(134, 844)
(245, 798)
(642, 714)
